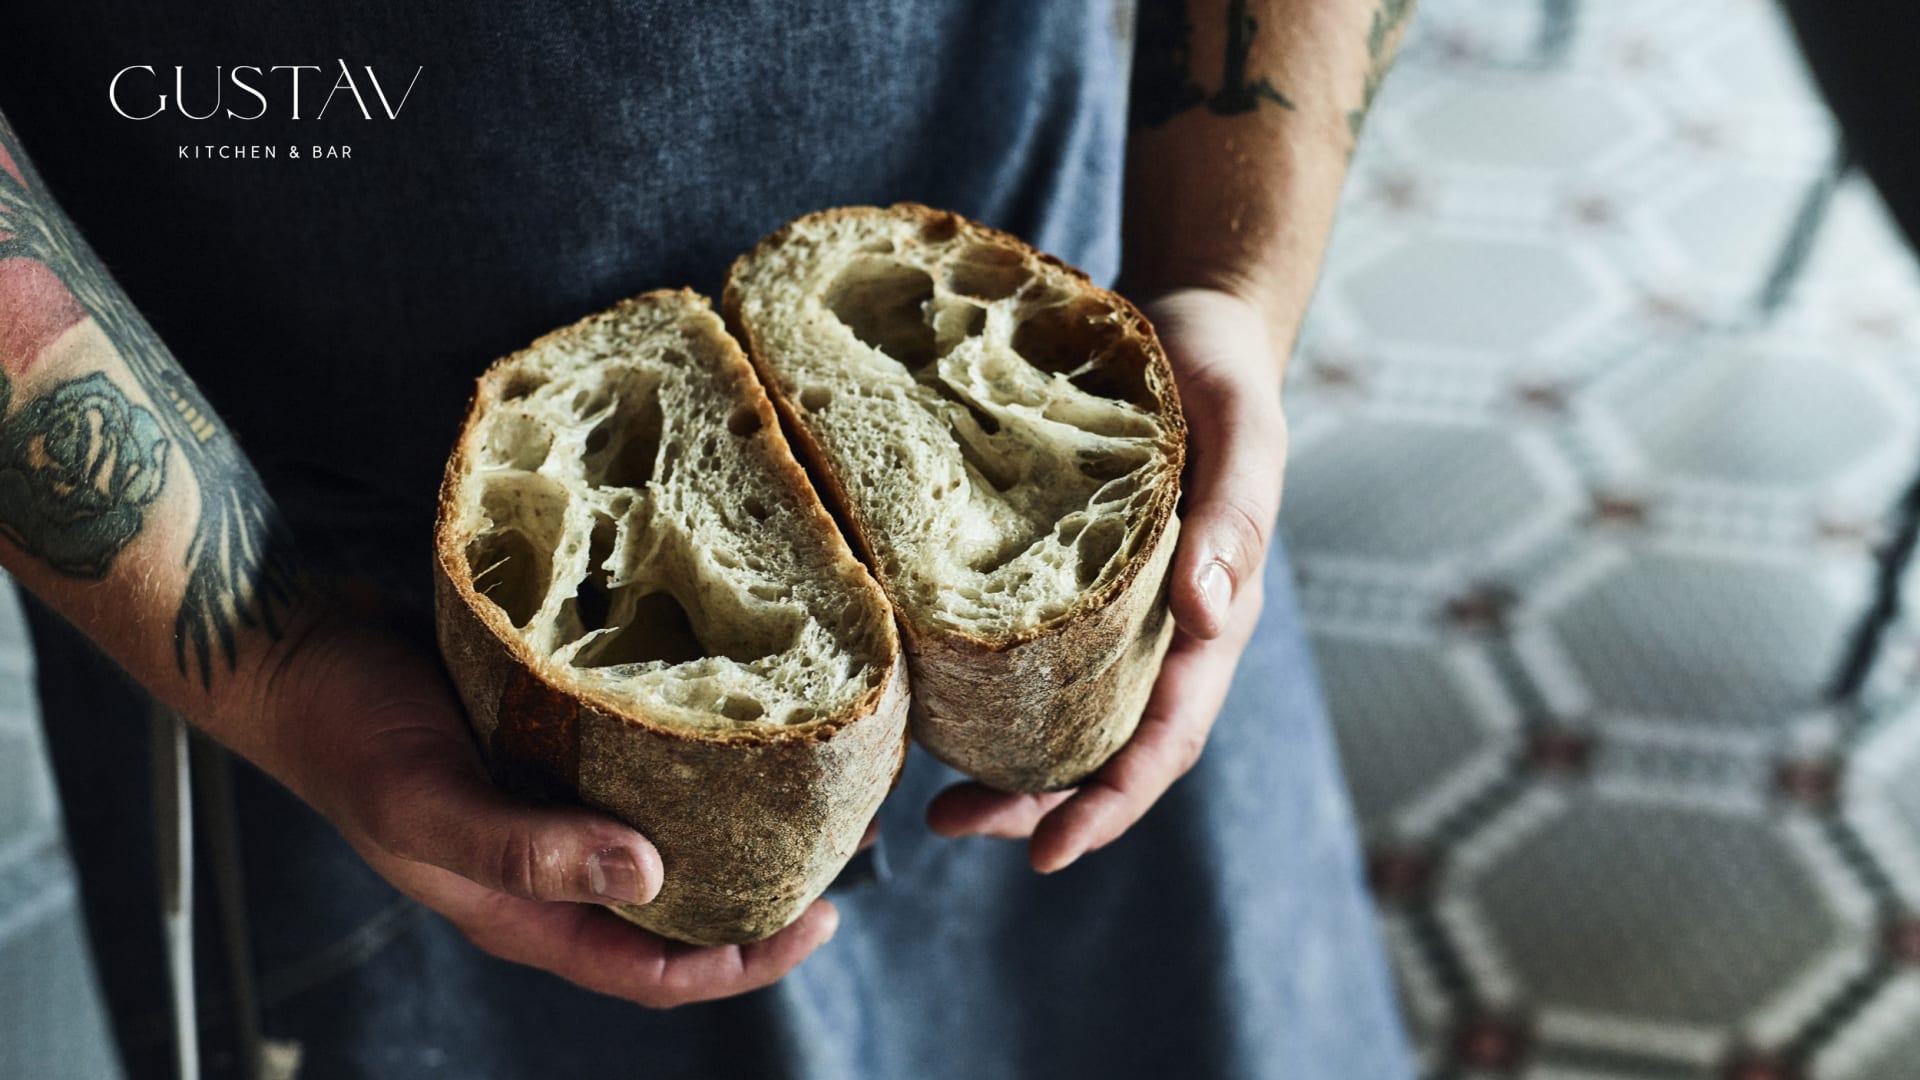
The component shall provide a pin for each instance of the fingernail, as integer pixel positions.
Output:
(1216, 590)
(833, 923)
(1064, 863)
(614, 875)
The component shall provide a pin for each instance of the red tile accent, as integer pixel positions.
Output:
(1611, 509)
(1492, 1043)
(1670, 309)
(1810, 783)
(1400, 875)
(1545, 397)
(1561, 751)
(1482, 610)
(1851, 533)
(1903, 940)
(1760, 1069)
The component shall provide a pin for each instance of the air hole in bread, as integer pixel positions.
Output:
(982, 419)
(1117, 490)
(955, 319)
(815, 398)
(592, 603)
(653, 627)
(1085, 340)
(986, 272)
(519, 386)
(591, 402)
(755, 508)
(1001, 471)
(518, 441)
(940, 228)
(1096, 547)
(1097, 418)
(622, 449)
(742, 710)
(590, 607)
(1011, 549)
(884, 303)
(743, 421)
(1105, 463)
(509, 570)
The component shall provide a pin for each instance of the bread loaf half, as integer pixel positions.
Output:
(645, 605)
(1004, 441)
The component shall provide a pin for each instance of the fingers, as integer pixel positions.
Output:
(1229, 382)
(692, 973)
(1233, 497)
(1193, 684)
(426, 800)
(971, 809)
(595, 949)
(383, 751)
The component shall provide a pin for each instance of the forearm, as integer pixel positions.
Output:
(1244, 115)
(124, 502)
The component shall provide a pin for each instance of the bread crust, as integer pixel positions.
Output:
(1042, 708)
(752, 824)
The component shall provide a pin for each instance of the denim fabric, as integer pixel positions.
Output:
(1228, 935)
(552, 159)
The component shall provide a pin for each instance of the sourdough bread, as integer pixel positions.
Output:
(645, 605)
(1004, 442)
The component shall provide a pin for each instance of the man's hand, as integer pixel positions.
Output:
(1225, 366)
(146, 527)
(368, 732)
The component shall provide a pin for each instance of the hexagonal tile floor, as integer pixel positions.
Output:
(1609, 395)
(51, 1020)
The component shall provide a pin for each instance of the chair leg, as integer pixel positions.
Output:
(173, 827)
(213, 795)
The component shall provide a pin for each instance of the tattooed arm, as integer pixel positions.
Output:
(1244, 114)
(123, 500)
(128, 507)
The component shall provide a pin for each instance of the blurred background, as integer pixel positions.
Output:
(1609, 399)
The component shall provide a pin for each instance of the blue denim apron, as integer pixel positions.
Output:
(551, 159)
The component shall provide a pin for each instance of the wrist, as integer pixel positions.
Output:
(266, 711)
(1178, 312)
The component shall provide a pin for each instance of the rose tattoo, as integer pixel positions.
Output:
(79, 465)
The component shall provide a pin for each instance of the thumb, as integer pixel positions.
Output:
(426, 798)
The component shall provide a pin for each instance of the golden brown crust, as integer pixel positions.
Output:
(751, 823)
(1041, 708)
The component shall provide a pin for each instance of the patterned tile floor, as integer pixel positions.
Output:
(1608, 395)
(1584, 504)
(51, 1024)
